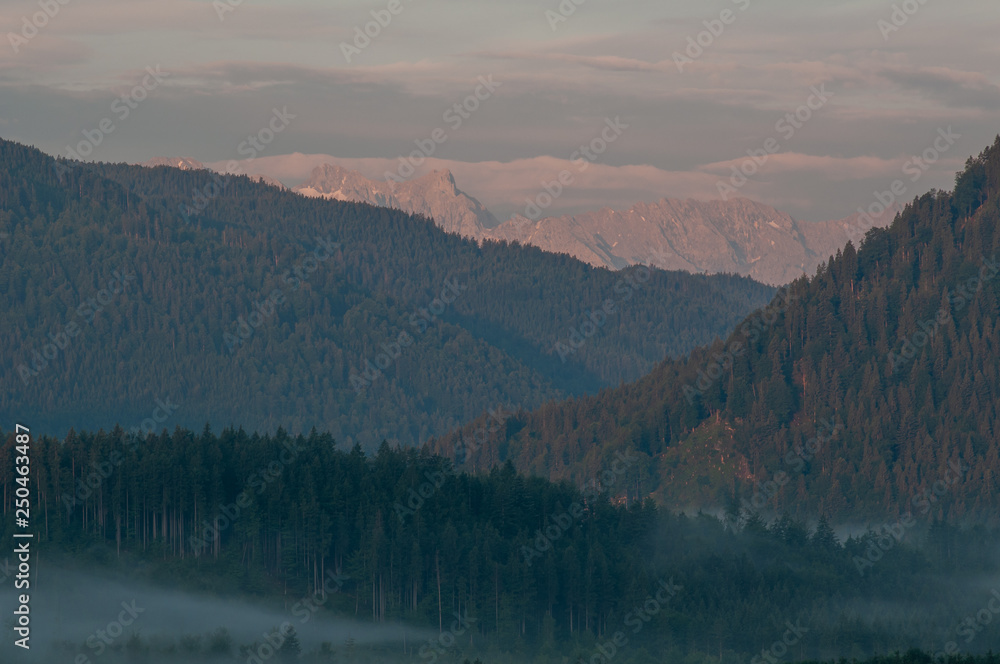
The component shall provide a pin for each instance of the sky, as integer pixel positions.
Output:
(691, 86)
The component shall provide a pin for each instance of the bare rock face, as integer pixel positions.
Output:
(434, 195)
(738, 236)
(183, 163)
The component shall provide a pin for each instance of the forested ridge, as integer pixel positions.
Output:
(251, 306)
(542, 570)
(895, 343)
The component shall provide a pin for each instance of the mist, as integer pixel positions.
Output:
(90, 617)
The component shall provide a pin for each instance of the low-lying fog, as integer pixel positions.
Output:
(82, 618)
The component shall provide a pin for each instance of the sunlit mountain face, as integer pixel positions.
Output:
(499, 333)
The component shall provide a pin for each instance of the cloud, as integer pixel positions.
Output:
(603, 62)
(832, 168)
(955, 88)
(609, 59)
(122, 17)
(40, 56)
(503, 186)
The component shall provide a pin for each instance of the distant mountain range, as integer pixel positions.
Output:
(434, 195)
(738, 236)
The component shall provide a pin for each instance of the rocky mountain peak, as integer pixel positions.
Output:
(435, 195)
(183, 163)
(739, 236)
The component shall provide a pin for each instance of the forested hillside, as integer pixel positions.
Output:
(153, 297)
(868, 390)
(536, 570)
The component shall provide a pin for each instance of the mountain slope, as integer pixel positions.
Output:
(739, 236)
(871, 389)
(434, 196)
(270, 309)
(183, 163)
(188, 164)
